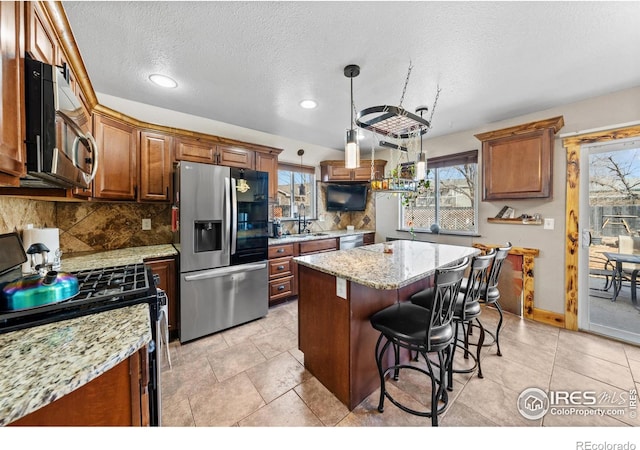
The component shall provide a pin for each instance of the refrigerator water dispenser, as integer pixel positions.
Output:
(207, 236)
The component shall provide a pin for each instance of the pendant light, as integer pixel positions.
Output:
(351, 148)
(421, 163)
(302, 189)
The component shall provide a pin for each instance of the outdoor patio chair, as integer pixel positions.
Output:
(601, 267)
(627, 245)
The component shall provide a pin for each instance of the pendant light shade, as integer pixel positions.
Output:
(421, 167)
(421, 163)
(351, 150)
(351, 147)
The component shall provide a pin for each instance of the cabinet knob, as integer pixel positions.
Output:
(281, 287)
(280, 250)
(280, 267)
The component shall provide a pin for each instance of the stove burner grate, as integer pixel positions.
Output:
(99, 290)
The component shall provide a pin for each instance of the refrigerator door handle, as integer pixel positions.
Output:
(234, 215)
(226, 271)
(227, 214)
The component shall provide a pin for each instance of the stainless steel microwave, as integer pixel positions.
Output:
(61, 152)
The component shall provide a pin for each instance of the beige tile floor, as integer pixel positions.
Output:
(253, 376)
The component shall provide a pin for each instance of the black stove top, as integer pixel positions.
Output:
(99, 290)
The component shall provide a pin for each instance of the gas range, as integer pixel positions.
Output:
(100, 290)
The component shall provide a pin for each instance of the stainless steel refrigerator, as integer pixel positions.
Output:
(223, 237)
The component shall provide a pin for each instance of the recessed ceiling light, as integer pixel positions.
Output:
(308, 104)
(163, 80)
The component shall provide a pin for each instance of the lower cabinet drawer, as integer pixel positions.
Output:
(280, 267)
(282, 287)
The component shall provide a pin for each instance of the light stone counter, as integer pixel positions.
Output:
(41, 364)
(287, 239)
(370, 266)
(132, 255)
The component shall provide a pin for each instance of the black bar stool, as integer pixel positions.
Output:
(490, 295)
(422, 330)
(467, 309)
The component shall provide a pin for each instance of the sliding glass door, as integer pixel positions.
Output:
(610, 227)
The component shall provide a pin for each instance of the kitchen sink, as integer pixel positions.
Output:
(305, 235)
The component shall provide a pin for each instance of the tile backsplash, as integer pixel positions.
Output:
(89, 226)
(16, 213)
(95, 226)
(335, 220)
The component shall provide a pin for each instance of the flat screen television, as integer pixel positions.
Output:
(347, 197)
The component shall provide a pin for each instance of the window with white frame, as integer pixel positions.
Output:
(451, 201)
(296, 191)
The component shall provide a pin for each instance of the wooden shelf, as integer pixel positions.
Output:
(512, 221)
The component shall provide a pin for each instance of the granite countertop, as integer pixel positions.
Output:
(287, 239)
(370, 266)
(41, 364)
(109, 258)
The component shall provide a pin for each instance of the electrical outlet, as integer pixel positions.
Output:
(549, 224)
(146, 224)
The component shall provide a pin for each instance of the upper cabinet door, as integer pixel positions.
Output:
(517, 162)
(195, 150)
(117, 144)
(41, 41)
(268, 162)
(155, 166)
(236, 157)
(336, 173)
(12, 151)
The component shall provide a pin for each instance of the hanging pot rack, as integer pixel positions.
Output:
(392, 121)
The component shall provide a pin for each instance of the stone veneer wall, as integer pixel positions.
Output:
(89, 226)
(364, 220)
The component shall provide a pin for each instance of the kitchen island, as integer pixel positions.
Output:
(340, 290)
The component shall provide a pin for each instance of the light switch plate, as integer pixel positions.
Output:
(146, 224)
(549, 224)
(341, 287)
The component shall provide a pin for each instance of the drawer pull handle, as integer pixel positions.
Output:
(280, 250)
(280, 267)
(281, 287)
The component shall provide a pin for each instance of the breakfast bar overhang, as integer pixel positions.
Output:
(340, 290)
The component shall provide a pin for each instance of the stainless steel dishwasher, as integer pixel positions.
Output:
(354, 240)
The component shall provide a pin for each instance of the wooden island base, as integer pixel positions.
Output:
(336, 336)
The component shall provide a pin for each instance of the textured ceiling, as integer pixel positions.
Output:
(250, 63)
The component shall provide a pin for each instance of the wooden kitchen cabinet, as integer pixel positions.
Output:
(517, 162)
(195, 150)
(369, 238)
(155, 166)
(281, 273)
(117, 176)
(283, 270)
(119, 397)
(234, 156)
(166, 268)
(268, 162)
(334, 170)
(317, 246)
(41, 41)
(12, 150)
